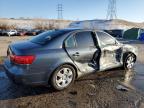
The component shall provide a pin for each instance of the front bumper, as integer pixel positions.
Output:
(19, 75)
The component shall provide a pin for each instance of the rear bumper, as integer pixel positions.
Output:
(19, 75)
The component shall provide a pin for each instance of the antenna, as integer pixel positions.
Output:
(60, 11)
(112, 10)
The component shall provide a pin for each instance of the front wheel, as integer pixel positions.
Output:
(63, 77)
(129, 61)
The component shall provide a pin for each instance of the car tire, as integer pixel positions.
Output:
(63, 77)
(129, 61)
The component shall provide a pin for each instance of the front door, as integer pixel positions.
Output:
(110, 51)
(81, 49)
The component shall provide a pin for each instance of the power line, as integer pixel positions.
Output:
(112, 10)
(60, 11)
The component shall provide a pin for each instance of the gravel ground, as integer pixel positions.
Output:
(98, 90)
(95, 91)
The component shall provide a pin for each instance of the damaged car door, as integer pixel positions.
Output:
(111, 51)
(81, 48)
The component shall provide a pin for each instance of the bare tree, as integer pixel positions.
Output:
(5, 25)
(42, 24)
(12, 26)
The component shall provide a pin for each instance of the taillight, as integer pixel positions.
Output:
(22, 59)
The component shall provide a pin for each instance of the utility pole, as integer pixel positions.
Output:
(60, 11)
(112, 10)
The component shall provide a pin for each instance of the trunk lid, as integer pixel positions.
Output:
(22, 48)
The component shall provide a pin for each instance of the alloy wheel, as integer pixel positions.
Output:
(130, 62)
(64, 77)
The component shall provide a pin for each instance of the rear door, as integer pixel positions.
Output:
(111, 51)
(80, 47)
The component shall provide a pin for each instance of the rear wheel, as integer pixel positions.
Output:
(63, 77)
(129, 61)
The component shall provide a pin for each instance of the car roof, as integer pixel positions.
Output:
(78, 29)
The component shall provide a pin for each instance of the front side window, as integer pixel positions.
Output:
(105, 39)
(84, 39)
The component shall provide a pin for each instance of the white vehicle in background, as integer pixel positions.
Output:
(11, 32)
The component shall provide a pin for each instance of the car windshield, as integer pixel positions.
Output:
(45, 37)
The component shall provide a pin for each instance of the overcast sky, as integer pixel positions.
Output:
(132, 10)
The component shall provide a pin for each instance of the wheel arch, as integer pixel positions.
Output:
(76, 70)
(70, 64)
(128, 53)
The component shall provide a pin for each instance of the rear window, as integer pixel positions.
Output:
(45, 37)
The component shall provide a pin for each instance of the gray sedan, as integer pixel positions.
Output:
(59, 57)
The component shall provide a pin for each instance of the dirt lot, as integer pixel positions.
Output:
(98, 90)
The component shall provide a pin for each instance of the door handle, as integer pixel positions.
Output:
(76, 54)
